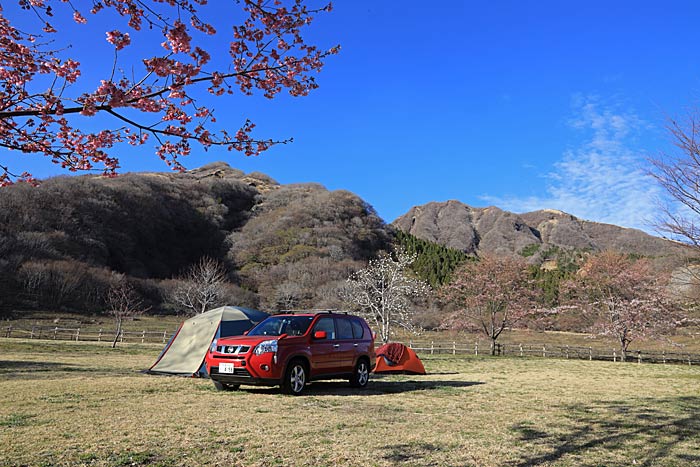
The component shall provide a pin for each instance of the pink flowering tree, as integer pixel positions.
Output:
(623, 298)
(45, 95)
(489, 296)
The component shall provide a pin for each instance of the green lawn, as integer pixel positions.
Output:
(67, 403)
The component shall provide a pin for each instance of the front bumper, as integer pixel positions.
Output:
(241, 376)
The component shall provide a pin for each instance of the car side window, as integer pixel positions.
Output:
(344, 328)
(326, 324)
(358, 331)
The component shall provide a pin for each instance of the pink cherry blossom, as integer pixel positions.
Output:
(118, 39)
(267, 55)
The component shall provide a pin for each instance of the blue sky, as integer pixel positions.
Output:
(520, 104)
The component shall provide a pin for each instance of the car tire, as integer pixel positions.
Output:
(360, 375)
(226, 387)
(295, 378)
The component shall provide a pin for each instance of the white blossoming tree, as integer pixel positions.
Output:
(382, 292)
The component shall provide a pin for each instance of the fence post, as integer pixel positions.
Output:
(121, 336)
(521, 350)
(639, 356)
(476, 349)
(590, 353)
(544, 351)
(409, 342)
(143, 336)
(99, 336)
(432, 347)
(614, 355)
(663, 357)
(9, 331)
(55, 332)
(31, 335)
(77, 335)
(567, 351)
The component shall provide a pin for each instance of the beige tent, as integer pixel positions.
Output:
(184, 354)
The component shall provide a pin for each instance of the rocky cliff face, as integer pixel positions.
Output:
(492, 230)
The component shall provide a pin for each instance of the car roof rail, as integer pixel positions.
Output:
(323, 310)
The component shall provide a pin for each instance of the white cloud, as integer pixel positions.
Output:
(603, 179)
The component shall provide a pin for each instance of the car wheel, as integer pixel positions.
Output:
(360, 375)
(294, 378)
(226, 387)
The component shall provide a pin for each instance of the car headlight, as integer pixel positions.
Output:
(265, 347)
(213, 346)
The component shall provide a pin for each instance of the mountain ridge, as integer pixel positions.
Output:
(64, 243)
(491, 230)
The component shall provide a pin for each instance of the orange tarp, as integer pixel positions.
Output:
(397, 358)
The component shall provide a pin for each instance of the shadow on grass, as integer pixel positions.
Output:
(416, 453)
(18, 369)
(24, 369)
(374, 388)
(644, 432)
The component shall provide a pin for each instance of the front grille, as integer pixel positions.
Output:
(235, 358)
(233, 349)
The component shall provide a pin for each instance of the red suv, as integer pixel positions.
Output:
(291, 350)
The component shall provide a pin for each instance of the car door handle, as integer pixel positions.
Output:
(336, 346)
(355, 345)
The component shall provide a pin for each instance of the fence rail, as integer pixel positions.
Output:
(423, 347)
(79, 334)
(553, 351)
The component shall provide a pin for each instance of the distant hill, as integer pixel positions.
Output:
(534, 234)
(62, 243)
(65, 242)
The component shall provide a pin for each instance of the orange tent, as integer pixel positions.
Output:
(397, 358)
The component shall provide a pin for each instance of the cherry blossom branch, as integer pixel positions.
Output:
(268, 54)
(79, 109)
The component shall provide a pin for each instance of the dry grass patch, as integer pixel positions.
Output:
(85, 404)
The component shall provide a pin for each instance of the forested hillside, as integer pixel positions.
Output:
(64, 243)
(434, 263)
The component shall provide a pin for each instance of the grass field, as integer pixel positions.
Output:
(67, 403)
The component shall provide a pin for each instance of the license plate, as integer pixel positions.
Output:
(226, 368)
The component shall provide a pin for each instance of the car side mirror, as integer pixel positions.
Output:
(320, 335)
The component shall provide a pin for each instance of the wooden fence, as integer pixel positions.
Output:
(79, 334)
(424, 347)
(553, 351)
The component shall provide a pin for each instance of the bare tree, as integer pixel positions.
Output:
(679, 175)
(123, 302)
(202, 286)
(383, 290)
(489, 295)
(623, 297)
(288, 295)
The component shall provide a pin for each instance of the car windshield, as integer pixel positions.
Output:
(278, 325)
